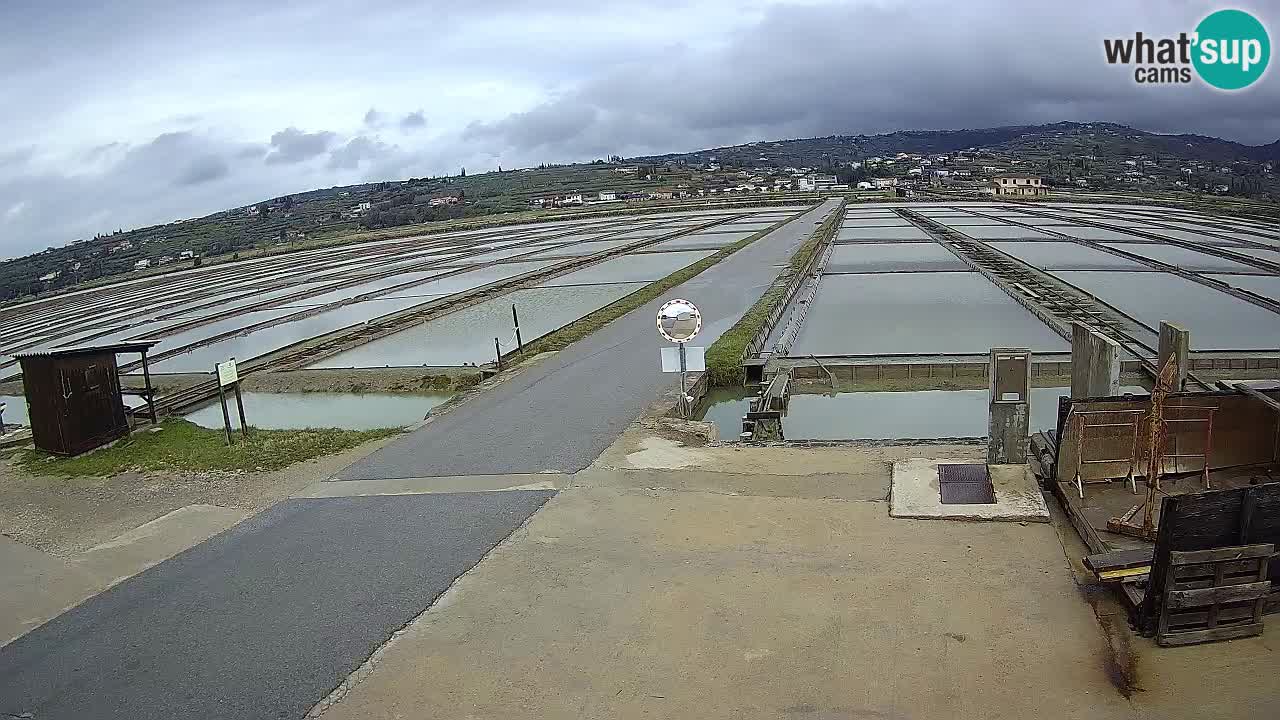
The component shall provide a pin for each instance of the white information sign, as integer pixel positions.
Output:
(227, 374)
(695, 359)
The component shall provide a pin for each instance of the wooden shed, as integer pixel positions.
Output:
(74, 397)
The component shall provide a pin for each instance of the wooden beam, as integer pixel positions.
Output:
(1241, 552)
(1178, 599)
(1273, 404)
(1119, 560)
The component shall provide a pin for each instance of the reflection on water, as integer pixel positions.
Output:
(15, 410)
(883, 415)
(466, 336)
(293, 411)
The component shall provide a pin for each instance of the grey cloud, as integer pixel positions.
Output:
(413, 121)
(611, 83)
(819, 70)
(16, 157)
(98, 152)
(547, 124)
(171, 176)
(292, 145)
(204, 169)
(356, 150)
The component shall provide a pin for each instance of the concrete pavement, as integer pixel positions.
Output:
(560, 414)
(621, 600)
(262, 620)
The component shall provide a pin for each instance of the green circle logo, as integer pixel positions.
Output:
(1232, 49)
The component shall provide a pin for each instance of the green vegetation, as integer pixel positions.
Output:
(1096, 156)
(588, 324)
(326, 217)
(725, 356)
(181, 446)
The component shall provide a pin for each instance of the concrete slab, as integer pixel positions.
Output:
(154, 542)
(870, 483)
(40, 586)
(914, 494)
(655, 604)
(36, 587)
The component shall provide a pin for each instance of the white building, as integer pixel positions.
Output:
(823, 183)
(1019, 185)
(882, 183)
(142, 265)
(608, 195)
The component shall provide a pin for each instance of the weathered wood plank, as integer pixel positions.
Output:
(1210, 582)
(1274, 405)
(1118, 559)
(1176, 599)
(1123, 574)
(1233, 567)
(1226, 614)
(1235, 552)
(1193, 637)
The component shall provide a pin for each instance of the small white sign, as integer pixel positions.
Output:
(227, 373)
(695, 359)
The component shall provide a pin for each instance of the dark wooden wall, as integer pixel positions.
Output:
(1244, 432)
(1213, 519)
(74, 401)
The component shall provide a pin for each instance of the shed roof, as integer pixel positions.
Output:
(124, 347)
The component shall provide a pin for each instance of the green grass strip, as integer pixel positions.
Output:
(588, 324)
(725, 356)
(182, 446)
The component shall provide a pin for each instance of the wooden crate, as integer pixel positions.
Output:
(1214, 594)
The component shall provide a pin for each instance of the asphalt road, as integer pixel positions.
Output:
(261, 621)
(561, 414)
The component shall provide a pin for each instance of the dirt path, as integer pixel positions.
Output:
(65, 516)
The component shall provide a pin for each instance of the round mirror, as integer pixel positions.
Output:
(679, 321)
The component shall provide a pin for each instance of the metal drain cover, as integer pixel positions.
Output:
(968, 484)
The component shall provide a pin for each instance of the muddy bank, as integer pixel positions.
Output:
(381, 380)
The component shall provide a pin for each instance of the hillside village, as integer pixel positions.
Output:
(1059, 157)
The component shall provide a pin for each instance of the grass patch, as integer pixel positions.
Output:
(725, 356)
(182, 446)
(588, 324)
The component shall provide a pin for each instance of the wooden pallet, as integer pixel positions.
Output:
(1214, 594)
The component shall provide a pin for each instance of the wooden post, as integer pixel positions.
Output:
(146, 379)
(1095, 363)
(1175, 342)
(244, 426)
(497, 350)
(226, 417)
(684, 404)
(516, 319)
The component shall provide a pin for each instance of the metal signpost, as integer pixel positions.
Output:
(229, 376)
(680, 321)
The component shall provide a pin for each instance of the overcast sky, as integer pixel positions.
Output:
(133, 112)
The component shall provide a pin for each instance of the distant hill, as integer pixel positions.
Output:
(1102, 155)
(1063, 138)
